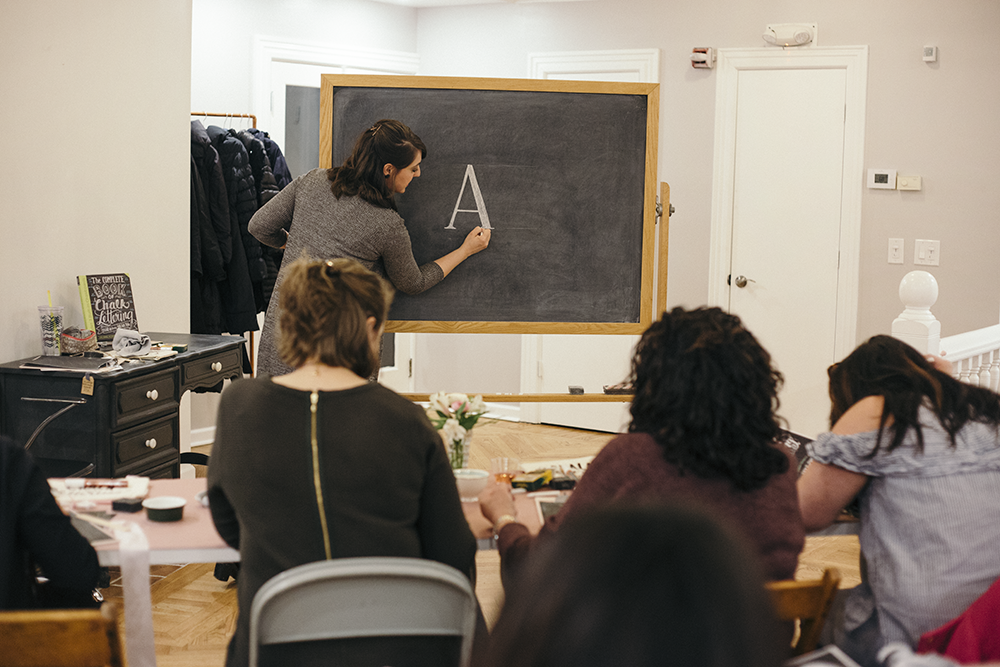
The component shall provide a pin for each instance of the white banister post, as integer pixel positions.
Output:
(918, 290)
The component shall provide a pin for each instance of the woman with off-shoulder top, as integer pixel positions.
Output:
(921, 452)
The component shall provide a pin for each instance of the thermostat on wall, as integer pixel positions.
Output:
(882, 179)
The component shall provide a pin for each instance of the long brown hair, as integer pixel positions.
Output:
(325, 306)
(386, 142)
(887, 367)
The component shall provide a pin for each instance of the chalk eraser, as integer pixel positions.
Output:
(127, 504)
(179, 347)
(575, 389)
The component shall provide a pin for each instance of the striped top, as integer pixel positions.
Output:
(930, 530)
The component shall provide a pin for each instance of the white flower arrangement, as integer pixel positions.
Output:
(454, 415)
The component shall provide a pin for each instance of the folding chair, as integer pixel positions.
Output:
(807, 602)
(370, 597)
(61, 638)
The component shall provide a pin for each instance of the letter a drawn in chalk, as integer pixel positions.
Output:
(484, 217)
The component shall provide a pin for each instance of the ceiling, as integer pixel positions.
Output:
(455, 3)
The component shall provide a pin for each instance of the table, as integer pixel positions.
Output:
(524, 507)
(128, 423)
(193, 539)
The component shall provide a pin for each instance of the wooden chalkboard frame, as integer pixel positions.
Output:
(332, 82)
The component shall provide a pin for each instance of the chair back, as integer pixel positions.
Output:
(61, 638)
(364, 597)
(807, 602)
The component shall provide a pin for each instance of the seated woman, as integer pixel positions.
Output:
(320, 463)
(921, 449)
(703, 430)
(35, 532)
(639, 586)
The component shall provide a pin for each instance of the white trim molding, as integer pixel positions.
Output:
(852, 59)
(643, 64)
(271, 49)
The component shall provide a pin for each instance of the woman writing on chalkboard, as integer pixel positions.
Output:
(350, 211)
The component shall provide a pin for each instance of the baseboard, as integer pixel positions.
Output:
(202, 436)
(507, 411)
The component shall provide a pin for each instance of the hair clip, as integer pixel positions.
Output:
(330, 271)
(374, 129)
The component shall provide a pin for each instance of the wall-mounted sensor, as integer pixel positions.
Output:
(930, 54)
(882, 179)
(703, 57)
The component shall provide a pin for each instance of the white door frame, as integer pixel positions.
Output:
(853, 59)
(269, 49)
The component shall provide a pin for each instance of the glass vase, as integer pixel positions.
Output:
(458, 451)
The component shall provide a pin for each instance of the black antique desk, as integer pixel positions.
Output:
(129, 425)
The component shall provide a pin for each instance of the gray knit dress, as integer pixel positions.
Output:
(325, 227)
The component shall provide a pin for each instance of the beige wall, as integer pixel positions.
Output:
(94, 176)
(96, 96)
(936, 121)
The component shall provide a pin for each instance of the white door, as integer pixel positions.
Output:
(788, 224)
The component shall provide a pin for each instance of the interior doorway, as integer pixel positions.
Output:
(786, 210)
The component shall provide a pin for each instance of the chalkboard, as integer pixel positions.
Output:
(107, 304)
(566, 172)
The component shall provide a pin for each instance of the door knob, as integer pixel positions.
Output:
(741, 281)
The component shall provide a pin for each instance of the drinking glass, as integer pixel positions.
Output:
(504, 468)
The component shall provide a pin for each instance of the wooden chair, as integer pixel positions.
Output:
(807, 602)
(61, 638)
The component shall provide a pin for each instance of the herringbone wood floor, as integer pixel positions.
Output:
(194, 614)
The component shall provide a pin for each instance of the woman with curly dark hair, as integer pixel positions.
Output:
(921, 452)
(703, 430)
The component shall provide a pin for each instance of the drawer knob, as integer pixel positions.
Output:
(152, 394)
(151, 443)
(217, 366)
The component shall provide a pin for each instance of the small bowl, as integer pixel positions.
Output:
(471, 482)
(164, 508)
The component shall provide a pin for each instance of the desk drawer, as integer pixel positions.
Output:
(145, 397)
(211, 370)
(144, 446)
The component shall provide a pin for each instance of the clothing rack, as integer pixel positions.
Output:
(252, 117)
(253, 120)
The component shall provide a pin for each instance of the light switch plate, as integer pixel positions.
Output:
(927, 252)
(895, 251)
(882, 179)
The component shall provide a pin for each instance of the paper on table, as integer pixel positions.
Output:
(65, 493)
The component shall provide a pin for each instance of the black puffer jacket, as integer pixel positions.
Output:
(267, 187)
(239, 303)
(211, 240)
(242, 191)
(278, 165)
